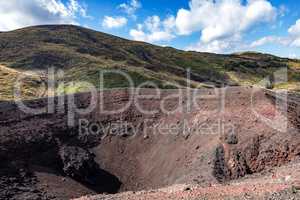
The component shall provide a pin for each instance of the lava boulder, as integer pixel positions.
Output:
(78, 163)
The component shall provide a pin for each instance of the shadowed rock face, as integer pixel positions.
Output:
(235, 160)
(17, 182)
(79, 164)
(260, 153)
(62, 163)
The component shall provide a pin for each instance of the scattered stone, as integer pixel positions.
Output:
(231, 139)
(296, 185)
(287, 178)
(146, 137)
(294, 190)
(186, 136)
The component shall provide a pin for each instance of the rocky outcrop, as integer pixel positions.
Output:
(18, 183)
(258, 154)
(78, 163)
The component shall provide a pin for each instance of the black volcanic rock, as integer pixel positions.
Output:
(78, 163)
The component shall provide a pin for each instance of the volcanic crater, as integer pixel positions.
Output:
(202, 137)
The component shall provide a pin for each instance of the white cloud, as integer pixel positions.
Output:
(293, 39)
(270, 40)
(293, 56)
(222, 21)
(218, 46)
(114, 22)
(16, 14)
(154, 30)
(131, 7)
(295, 29)
(294, 32)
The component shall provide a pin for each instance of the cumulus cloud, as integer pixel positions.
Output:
(270, 40)
(75, 7)
(16, 14)
(294, 32)
(131, 7)
(221, 22)
(293, 56)
(293, 38)
(154, 30)
(295, 29)
(114, 22)
(219, 46)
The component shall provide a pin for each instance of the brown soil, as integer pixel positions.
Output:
(275, 184)
(43, 158)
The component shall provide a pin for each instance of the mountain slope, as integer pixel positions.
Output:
(82, 53)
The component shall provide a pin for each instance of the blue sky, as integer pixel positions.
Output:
(220, 26)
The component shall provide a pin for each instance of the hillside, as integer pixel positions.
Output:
(82, 53)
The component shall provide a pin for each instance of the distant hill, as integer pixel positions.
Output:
(82, 53)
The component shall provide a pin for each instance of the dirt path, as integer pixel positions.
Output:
(282, 183)
(180, 192)
(26, 73)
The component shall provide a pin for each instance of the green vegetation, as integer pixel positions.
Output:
(31, 85)
(83, 54)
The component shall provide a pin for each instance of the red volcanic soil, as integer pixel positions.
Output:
(212, 138)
